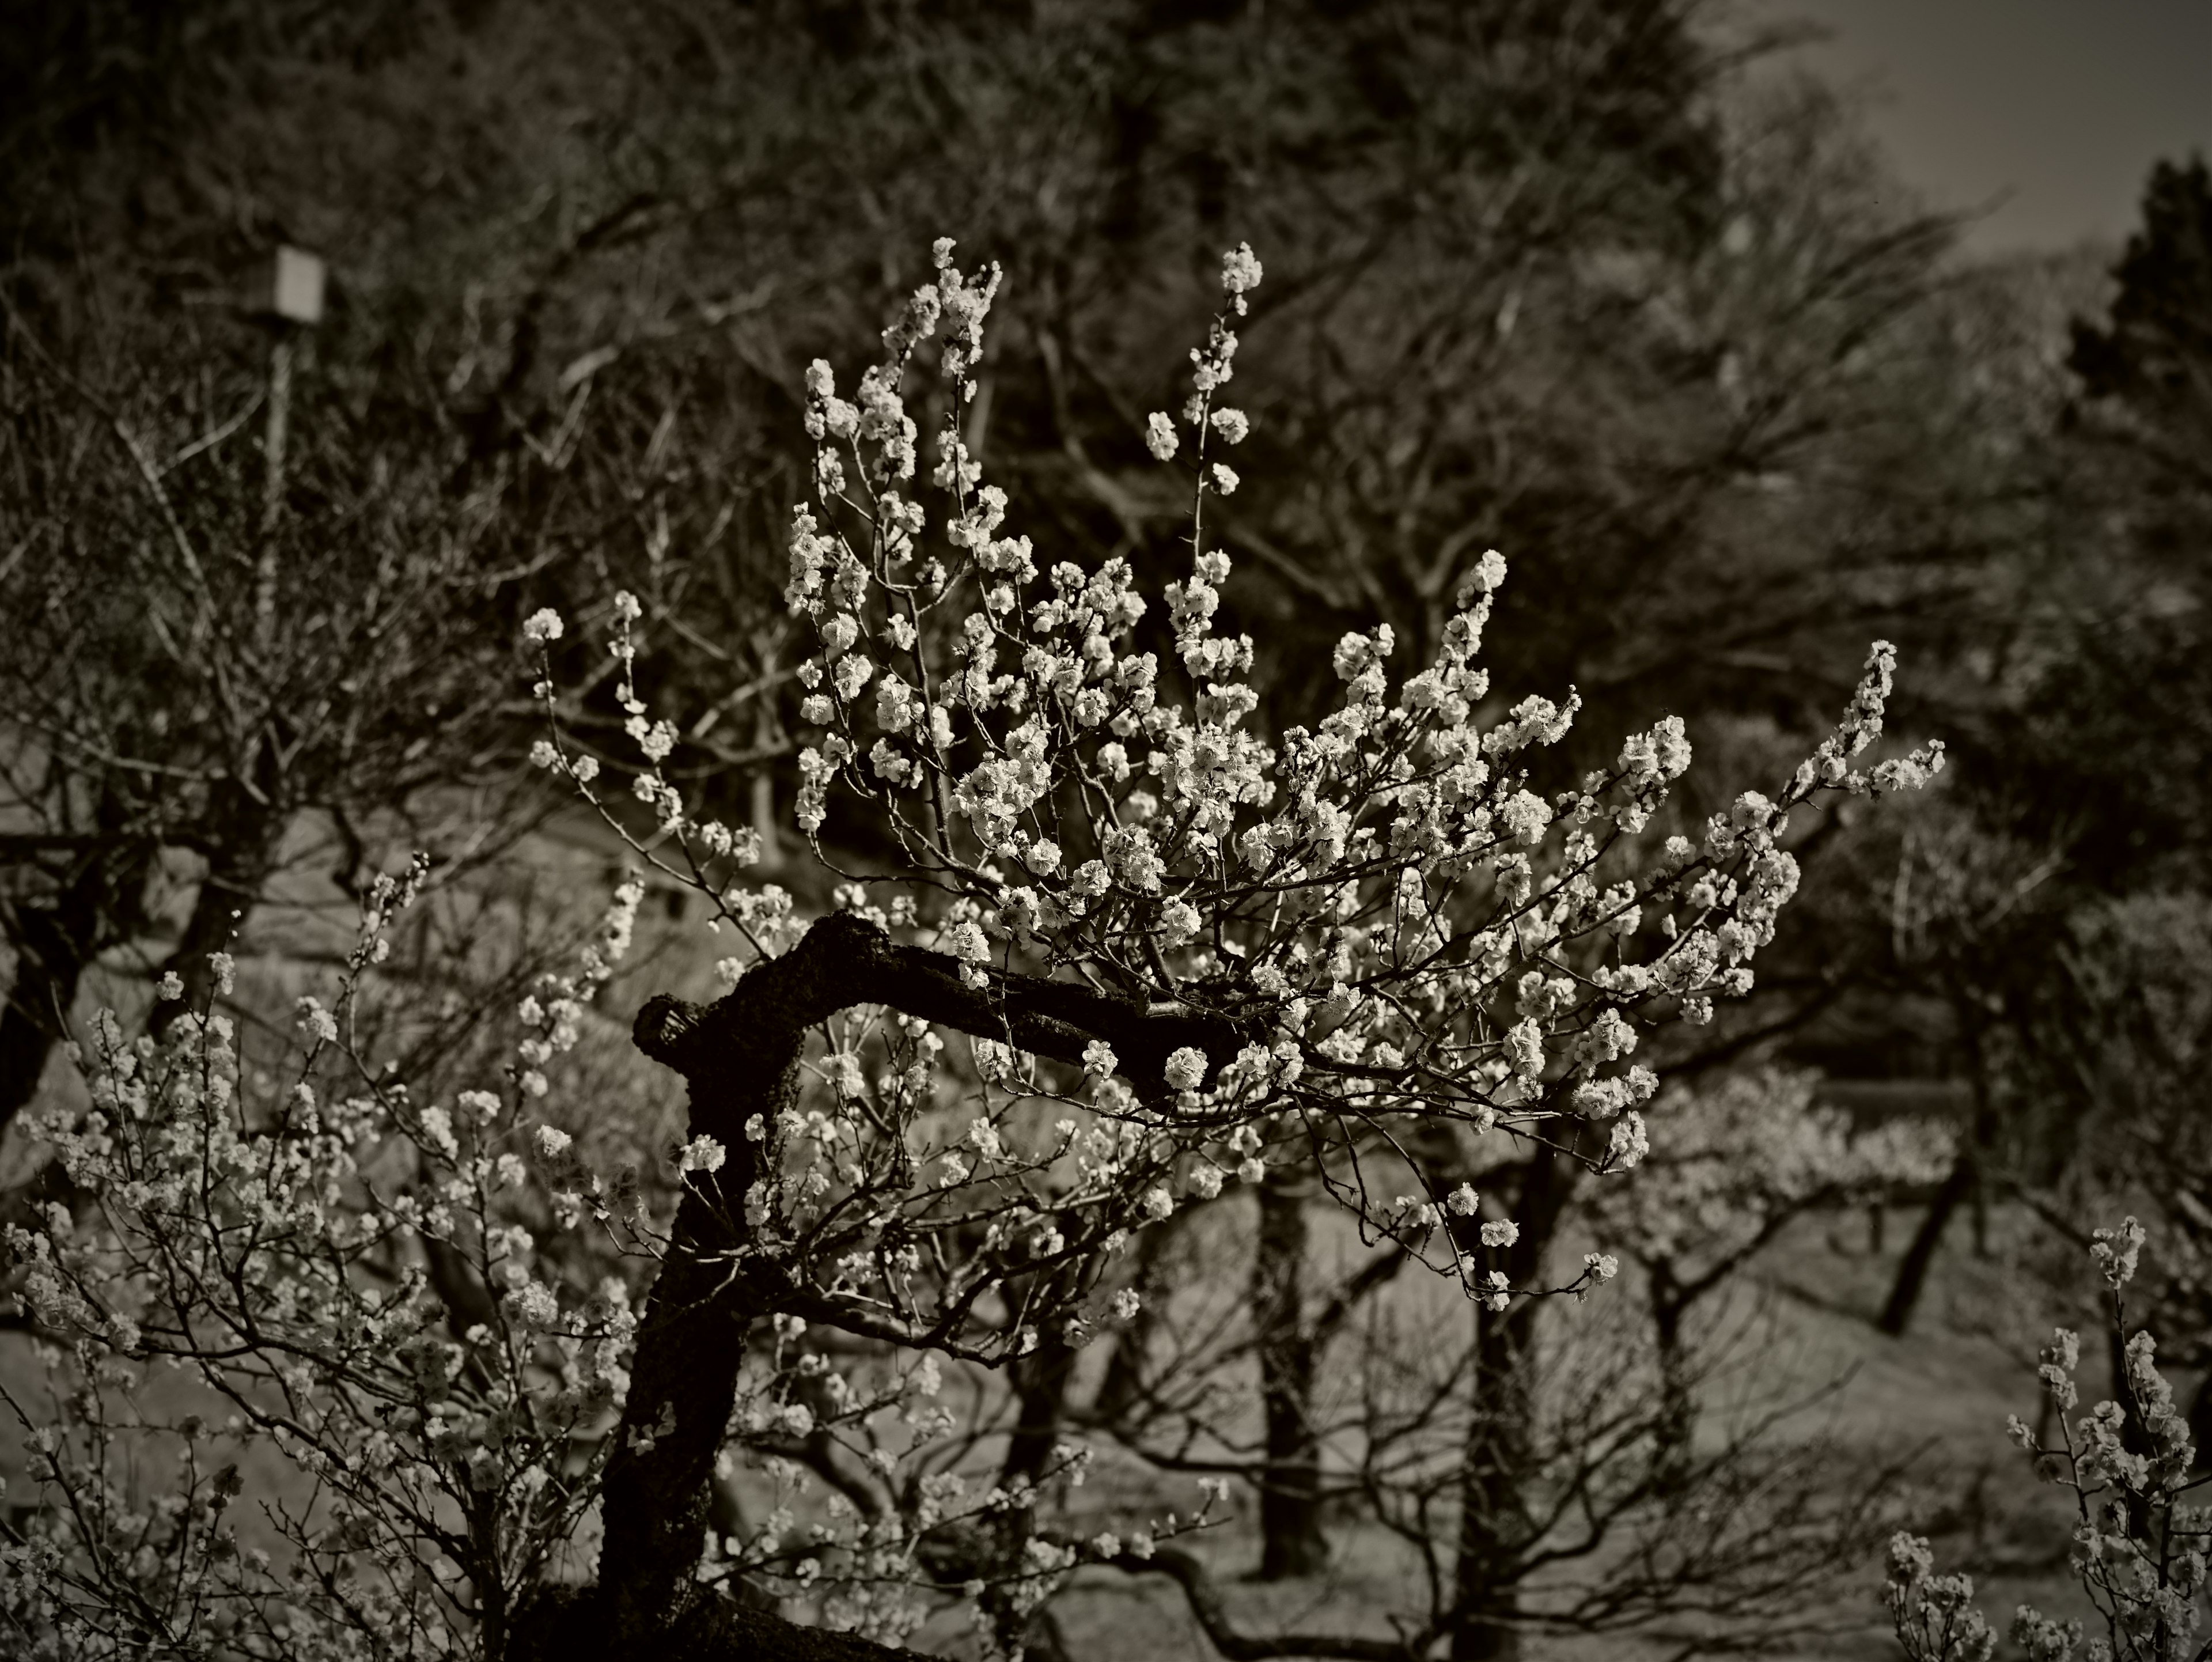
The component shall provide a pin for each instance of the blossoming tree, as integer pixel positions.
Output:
(1101, 946)
(1741, 1160)
(2139, 1541)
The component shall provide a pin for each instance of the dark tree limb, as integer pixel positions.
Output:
(1055, 1019)
(740, 1056)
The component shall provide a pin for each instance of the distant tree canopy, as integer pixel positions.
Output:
(2135, 701)
(2155, 352)
(1550, 279)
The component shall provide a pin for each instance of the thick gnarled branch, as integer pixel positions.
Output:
(845, 960)
(740, 1056)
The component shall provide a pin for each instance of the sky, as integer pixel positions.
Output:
(2049, 112)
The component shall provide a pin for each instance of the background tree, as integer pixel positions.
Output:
(209, 648)
(2074, 807)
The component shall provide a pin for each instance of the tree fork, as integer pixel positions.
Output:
(740, 1056)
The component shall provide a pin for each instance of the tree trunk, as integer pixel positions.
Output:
(1675, 1436)
(233, 881)
(52, 946)
(1494, 1522)
(2200, 1422)
(1040, 1381)
(1493, 1511)
(740, 1056)
(1913, 1269)
(100, 901)
(1291, 1541)
(1964, 1180)
(1120, 1393)
(691, 1338)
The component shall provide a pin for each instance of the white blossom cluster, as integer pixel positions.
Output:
(2139, 1548)
(1395, 920)
(1388, 917)
(269, 1243)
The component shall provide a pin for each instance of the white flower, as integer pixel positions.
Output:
(536, 1306)
(1240, 272)
(656, 741)
(2115, 1251)
(1186, 1068)
(171, 986)
(1157, 1202)
(1601, 1266)
(1232, 424)
(1225, 479)
(1524, 1047)
(316, 1022)
(1527, 815)
(702, 1154)
(1159, 435)
(1099, 1060)
(1500, 1232)
(1125, 1304)
(1464, 1200)
(542, 626)
(551, 1140)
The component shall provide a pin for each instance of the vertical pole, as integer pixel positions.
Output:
(763, 784)
(272, 487)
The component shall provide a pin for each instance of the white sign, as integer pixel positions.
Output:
(297, 292)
